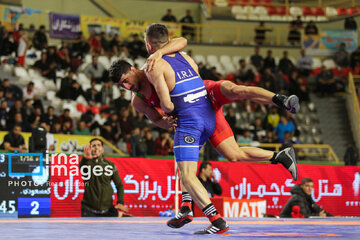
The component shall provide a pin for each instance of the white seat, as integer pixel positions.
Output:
(277, 60)
(288, 18)
(253, 17)
(247, 59)
(241, 16)
(329, 64)
(22, 74)
(296, 11)
(50, 95)
(310, 18)
(82, 78)
(140, 62)
(264, 17)
(316, 63)
(249, 9)
(199, 58)
(221, 3)
(236, 60)
(321, 19)
(276, 18)
(293, 60)
(50, 85)
(237, 10)
(331, 12)
(259, 10)
(104, 61)
(88, 58)
(225, 59)
(212, 59)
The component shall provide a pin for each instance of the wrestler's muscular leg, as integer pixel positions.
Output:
(191, 183)
(235, 92)
(231, 151)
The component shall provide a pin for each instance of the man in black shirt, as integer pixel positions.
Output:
(14, 141)
(169, 17)
(186, 29)
(45, 68)
(208, 180)
(40, 40)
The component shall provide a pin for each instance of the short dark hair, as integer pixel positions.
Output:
(117, 69)
(157, 34)
(97, 139)
(306, 180)
(204, 165)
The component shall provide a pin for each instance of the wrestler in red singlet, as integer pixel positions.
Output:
(222, 130)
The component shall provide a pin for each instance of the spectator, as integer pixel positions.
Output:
(270, 137)
(350, 24)
(105, 44)
(50, 118)
(113, 122)
(245, 138)
(91, 204)
(246, 73)
(45, 68)
(98, 122)
(121, 102)
(208, 179)
(95, 44)
(139, 121)
(284, 126)
(231, 119)
(214, 75)
(92, 95)
(269, 61)
(8, 44)
(137, 47)
(6, 86)
(260, 32)
(355, 58)
(95, 70)
(66, 127)
(80, 46)
(23, 46)
(70, 89)
(82, 129)
(280, 83)
(118, 47)
(298, 87)
(66, 117)
(56, 128)
(301, 204)
(137, 143)
(186, 29)
(304, 64)
(14, 141)
(30, 33)
(285, 64)
(272, 119)
(107, 93)
(30, 92)
(351, 157)
(294, 33)
(163, 144)
(169, 17)
(18, 120)
(325, 82)
(40, 40)
(341, 57)
(126, 123)
(311, 29)
(150, 143)
(50, 142)
(63, 57)
(257, 130)
(268, 80)
(4, 115)
(17, 108)
(257, 60)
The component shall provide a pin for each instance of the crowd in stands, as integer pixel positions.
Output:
(108, 112)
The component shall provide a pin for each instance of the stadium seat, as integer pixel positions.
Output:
(331, 11)
(50, 95)
(140, 62)
(306, 11)
(241, 16)
(342, 12)
(316, 63)
(253, 17)
(256, 2)
(319, 12)
(225, 59)
(237, 10)
(94, 109)
(321, 19)
(104, 61)
(264, 17)
(81, 108)
(271, 10)
(281, 11)
(212, 60)
(221, 3)
(276, 18)
(260, 10)
(22, 74)
(88, 58)
(295, 11)
(199, 58)
(329, 64)
(236, 60)
(353, 10)
(310, 18)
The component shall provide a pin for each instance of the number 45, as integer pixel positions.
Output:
(4, 209)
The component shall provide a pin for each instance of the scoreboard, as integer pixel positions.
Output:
(24, 185)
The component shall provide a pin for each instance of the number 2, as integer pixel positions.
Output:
(36, 205)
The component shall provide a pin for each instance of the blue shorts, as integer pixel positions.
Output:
(192, 132)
